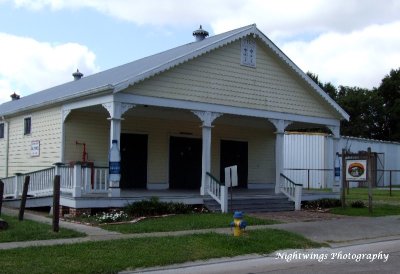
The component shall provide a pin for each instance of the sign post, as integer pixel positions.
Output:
(231, 179)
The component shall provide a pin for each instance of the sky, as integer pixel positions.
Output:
(42, 42)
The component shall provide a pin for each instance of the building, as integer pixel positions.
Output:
(178, 116)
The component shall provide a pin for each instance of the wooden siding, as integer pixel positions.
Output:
(91, 128)
(3, 150)
(46, 128)
(218, 77)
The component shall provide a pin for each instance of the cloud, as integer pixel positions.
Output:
(28, 65)
(360, 58)
(347, 42)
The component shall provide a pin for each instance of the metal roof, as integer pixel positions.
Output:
(121, 77)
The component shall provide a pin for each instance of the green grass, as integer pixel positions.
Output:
(378, 195)
(27, 230)
(182, 222)
(377, 210)
(118, 255)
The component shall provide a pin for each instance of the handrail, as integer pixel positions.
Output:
(292, 191)
(218, 191)
(215, 179)
(290, 180)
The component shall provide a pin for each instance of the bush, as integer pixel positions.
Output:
(154, 207)
(321, 204)
(357, 204)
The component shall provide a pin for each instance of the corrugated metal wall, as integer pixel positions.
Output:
(305, 159)
(305, 151)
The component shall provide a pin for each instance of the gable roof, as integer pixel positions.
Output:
(121, 77)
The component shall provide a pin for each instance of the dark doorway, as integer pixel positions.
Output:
(133, 161)
(235, 153)
(185, 163)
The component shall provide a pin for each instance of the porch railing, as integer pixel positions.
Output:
(218, 191)
(76, 180)
(292, 191)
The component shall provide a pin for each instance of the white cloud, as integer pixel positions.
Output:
(347, 42)
(360, 58)
(28, 65)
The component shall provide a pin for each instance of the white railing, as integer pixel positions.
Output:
(9, 186)
(66, 173)
(76, 180)
(95, 179)
(41, 181)
(218, 192)
(292, 191)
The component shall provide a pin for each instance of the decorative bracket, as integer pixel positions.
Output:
(207, 117)
(117, 109)
(65, 113)
(335, 131)
(280, 125)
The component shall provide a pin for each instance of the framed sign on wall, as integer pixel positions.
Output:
(35, 148)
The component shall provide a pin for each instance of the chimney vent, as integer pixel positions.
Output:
(77, 75)
(200, 34)
(15, 96)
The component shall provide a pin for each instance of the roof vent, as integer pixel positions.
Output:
(200, 34)
(77, 75)
(15, 96)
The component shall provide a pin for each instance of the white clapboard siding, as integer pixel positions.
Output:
(45, 128)
(217, 77)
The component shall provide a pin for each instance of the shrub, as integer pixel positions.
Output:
(320, 204)
(154, 207)
(357, 204)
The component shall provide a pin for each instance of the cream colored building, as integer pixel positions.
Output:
(219, 101)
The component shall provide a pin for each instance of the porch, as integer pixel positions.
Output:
(86, 187)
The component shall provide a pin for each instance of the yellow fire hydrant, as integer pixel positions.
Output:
(238, 223)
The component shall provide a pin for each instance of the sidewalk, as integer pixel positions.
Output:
(335, 232)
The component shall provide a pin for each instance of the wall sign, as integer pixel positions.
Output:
(35, 148)
(356, 170)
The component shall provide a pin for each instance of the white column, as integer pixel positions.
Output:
(280, 126)
(207, 118)
(116, 110)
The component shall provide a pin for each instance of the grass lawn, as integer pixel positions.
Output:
(29, 231)
(377, 210)
(182, 222)
(378, 195)
(118, 255)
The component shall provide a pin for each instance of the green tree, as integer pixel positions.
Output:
(389, 91)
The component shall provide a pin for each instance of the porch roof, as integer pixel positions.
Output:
(119, 78)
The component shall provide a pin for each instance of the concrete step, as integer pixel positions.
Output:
(271, 204)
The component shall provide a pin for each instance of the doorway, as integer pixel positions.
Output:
(235, 153)
(133, 160)
(185, 160)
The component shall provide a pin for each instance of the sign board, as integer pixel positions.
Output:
(231, 177)
(356, 170)
(35, 148)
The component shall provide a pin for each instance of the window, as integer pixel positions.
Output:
(1, 130)
(27, 126)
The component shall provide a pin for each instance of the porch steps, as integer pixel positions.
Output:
(271, 203)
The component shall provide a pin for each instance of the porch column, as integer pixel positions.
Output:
(280, 126)
(207, 118)
(116, 110)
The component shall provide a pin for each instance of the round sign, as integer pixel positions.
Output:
(356, 169)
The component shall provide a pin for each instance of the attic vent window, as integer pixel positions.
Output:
(2, 131)
(248, 52)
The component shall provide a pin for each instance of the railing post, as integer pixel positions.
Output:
(77, 183)
(297, 197)
(17, 185)
(224, 199)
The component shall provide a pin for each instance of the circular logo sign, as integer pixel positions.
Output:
(356, 169)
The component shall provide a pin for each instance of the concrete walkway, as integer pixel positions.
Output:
(336, 232)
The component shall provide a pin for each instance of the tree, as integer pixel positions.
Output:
(389, 91)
